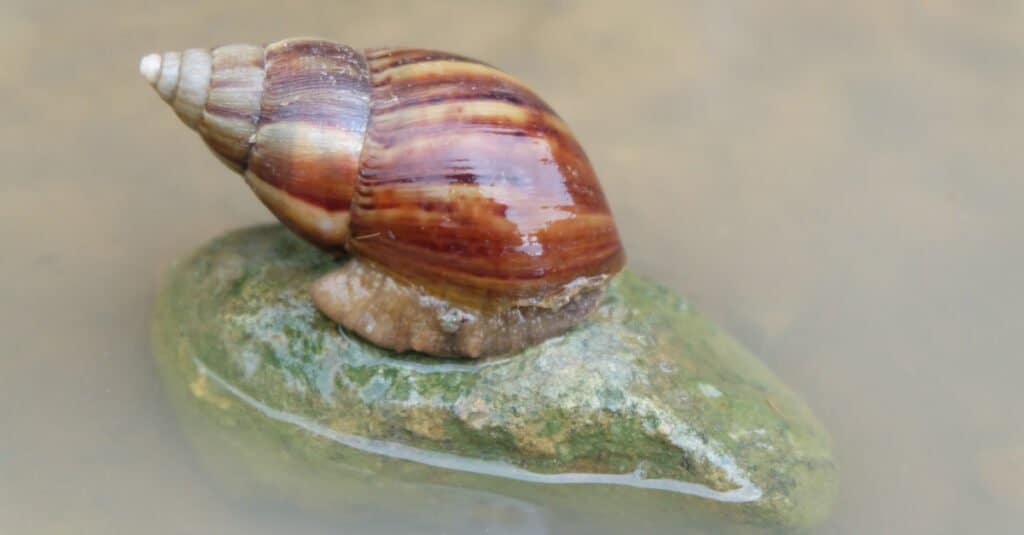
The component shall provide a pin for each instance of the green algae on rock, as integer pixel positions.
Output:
(644, 398)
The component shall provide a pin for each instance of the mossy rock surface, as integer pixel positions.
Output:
(645, 403)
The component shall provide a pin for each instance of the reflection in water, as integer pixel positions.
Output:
(745, 493)
(483, 512)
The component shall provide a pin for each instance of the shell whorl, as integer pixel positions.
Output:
(216, 92)
(289, 116)
(182, 80)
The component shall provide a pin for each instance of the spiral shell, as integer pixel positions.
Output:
(476, 222)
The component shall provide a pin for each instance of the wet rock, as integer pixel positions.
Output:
(646, 403)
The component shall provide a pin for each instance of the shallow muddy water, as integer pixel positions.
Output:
(838, 186)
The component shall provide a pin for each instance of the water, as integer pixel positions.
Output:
(839, 186)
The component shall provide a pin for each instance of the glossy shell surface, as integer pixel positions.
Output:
(471, 174)
(440, 168)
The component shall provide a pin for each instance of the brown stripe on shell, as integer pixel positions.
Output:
(309, 161)
(311, 221)
(508, 165)
(453, 81)
(490, 195)
(231, 83)
(399, 124)
(316, 104)
(230, 112)
(226, 137)
(382, 59)
(317, 81)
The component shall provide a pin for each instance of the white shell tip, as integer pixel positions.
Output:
(149, 67)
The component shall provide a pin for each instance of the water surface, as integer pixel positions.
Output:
(839, 186)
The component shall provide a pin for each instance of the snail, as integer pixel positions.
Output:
(474, 220)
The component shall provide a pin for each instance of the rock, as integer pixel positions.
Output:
(648, 402)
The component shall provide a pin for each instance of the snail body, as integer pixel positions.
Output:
(474, 219)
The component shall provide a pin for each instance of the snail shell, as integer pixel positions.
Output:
(476, 224)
